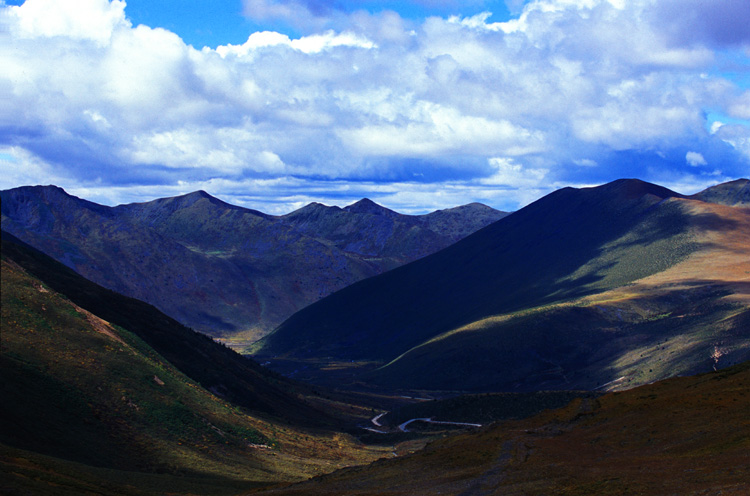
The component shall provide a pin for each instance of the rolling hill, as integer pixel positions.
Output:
(224, 270)
(103, 393)
(605, 287)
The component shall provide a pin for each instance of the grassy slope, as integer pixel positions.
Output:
(684, 436)
(734, 193)
(88, 404)
(682, 321)
(581, 346)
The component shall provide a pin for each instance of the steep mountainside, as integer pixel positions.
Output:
(226, 270)
(686, 436)
(604, 287)
(103, 394)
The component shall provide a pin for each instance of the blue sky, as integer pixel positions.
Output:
(418, 105)
(219, 22)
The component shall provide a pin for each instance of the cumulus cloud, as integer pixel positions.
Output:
(307, 44)
(695, 159)
(79, 19)
(447, 108)
(20, 167)
(738, 136)
(509, 173)
(308, 15)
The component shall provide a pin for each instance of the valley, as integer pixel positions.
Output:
(229, 272)
(161, 402)
(596, 341)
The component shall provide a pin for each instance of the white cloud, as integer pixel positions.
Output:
(585, 162)
(509, 173)
(695, 159)
(358, 98)
(302, 14)
(740, 107)
(20, 167)
(436, 130)
(226, 151)
(306, 44)
(722, 24)
(92, 20)
(737, 136)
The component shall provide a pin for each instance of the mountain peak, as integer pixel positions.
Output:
(313, 209)
(631, 189)
(367, 206)
(48, 191)
(200, 193)
(29, 195)
(195, 196)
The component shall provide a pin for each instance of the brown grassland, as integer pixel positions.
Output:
(682, 436)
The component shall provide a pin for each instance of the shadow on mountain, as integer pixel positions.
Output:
(569, 244)
(687, 330)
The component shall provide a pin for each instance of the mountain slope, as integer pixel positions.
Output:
(221, 269)
(531, 301)
(215, 367)
(686, 436)
(527, 259)
(734, 194)
(89, 405)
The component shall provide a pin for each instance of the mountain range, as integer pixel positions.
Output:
(576, 313)
(224, 270)
(605, 287)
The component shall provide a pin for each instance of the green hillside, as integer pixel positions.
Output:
(580, 346)
(734, 193)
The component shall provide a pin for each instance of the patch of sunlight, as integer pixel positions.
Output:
(483, 324)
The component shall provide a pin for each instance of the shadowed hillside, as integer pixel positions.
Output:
(547, 298)
(528, 259)
(217, 368)
(91, 406)
(225, 270)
